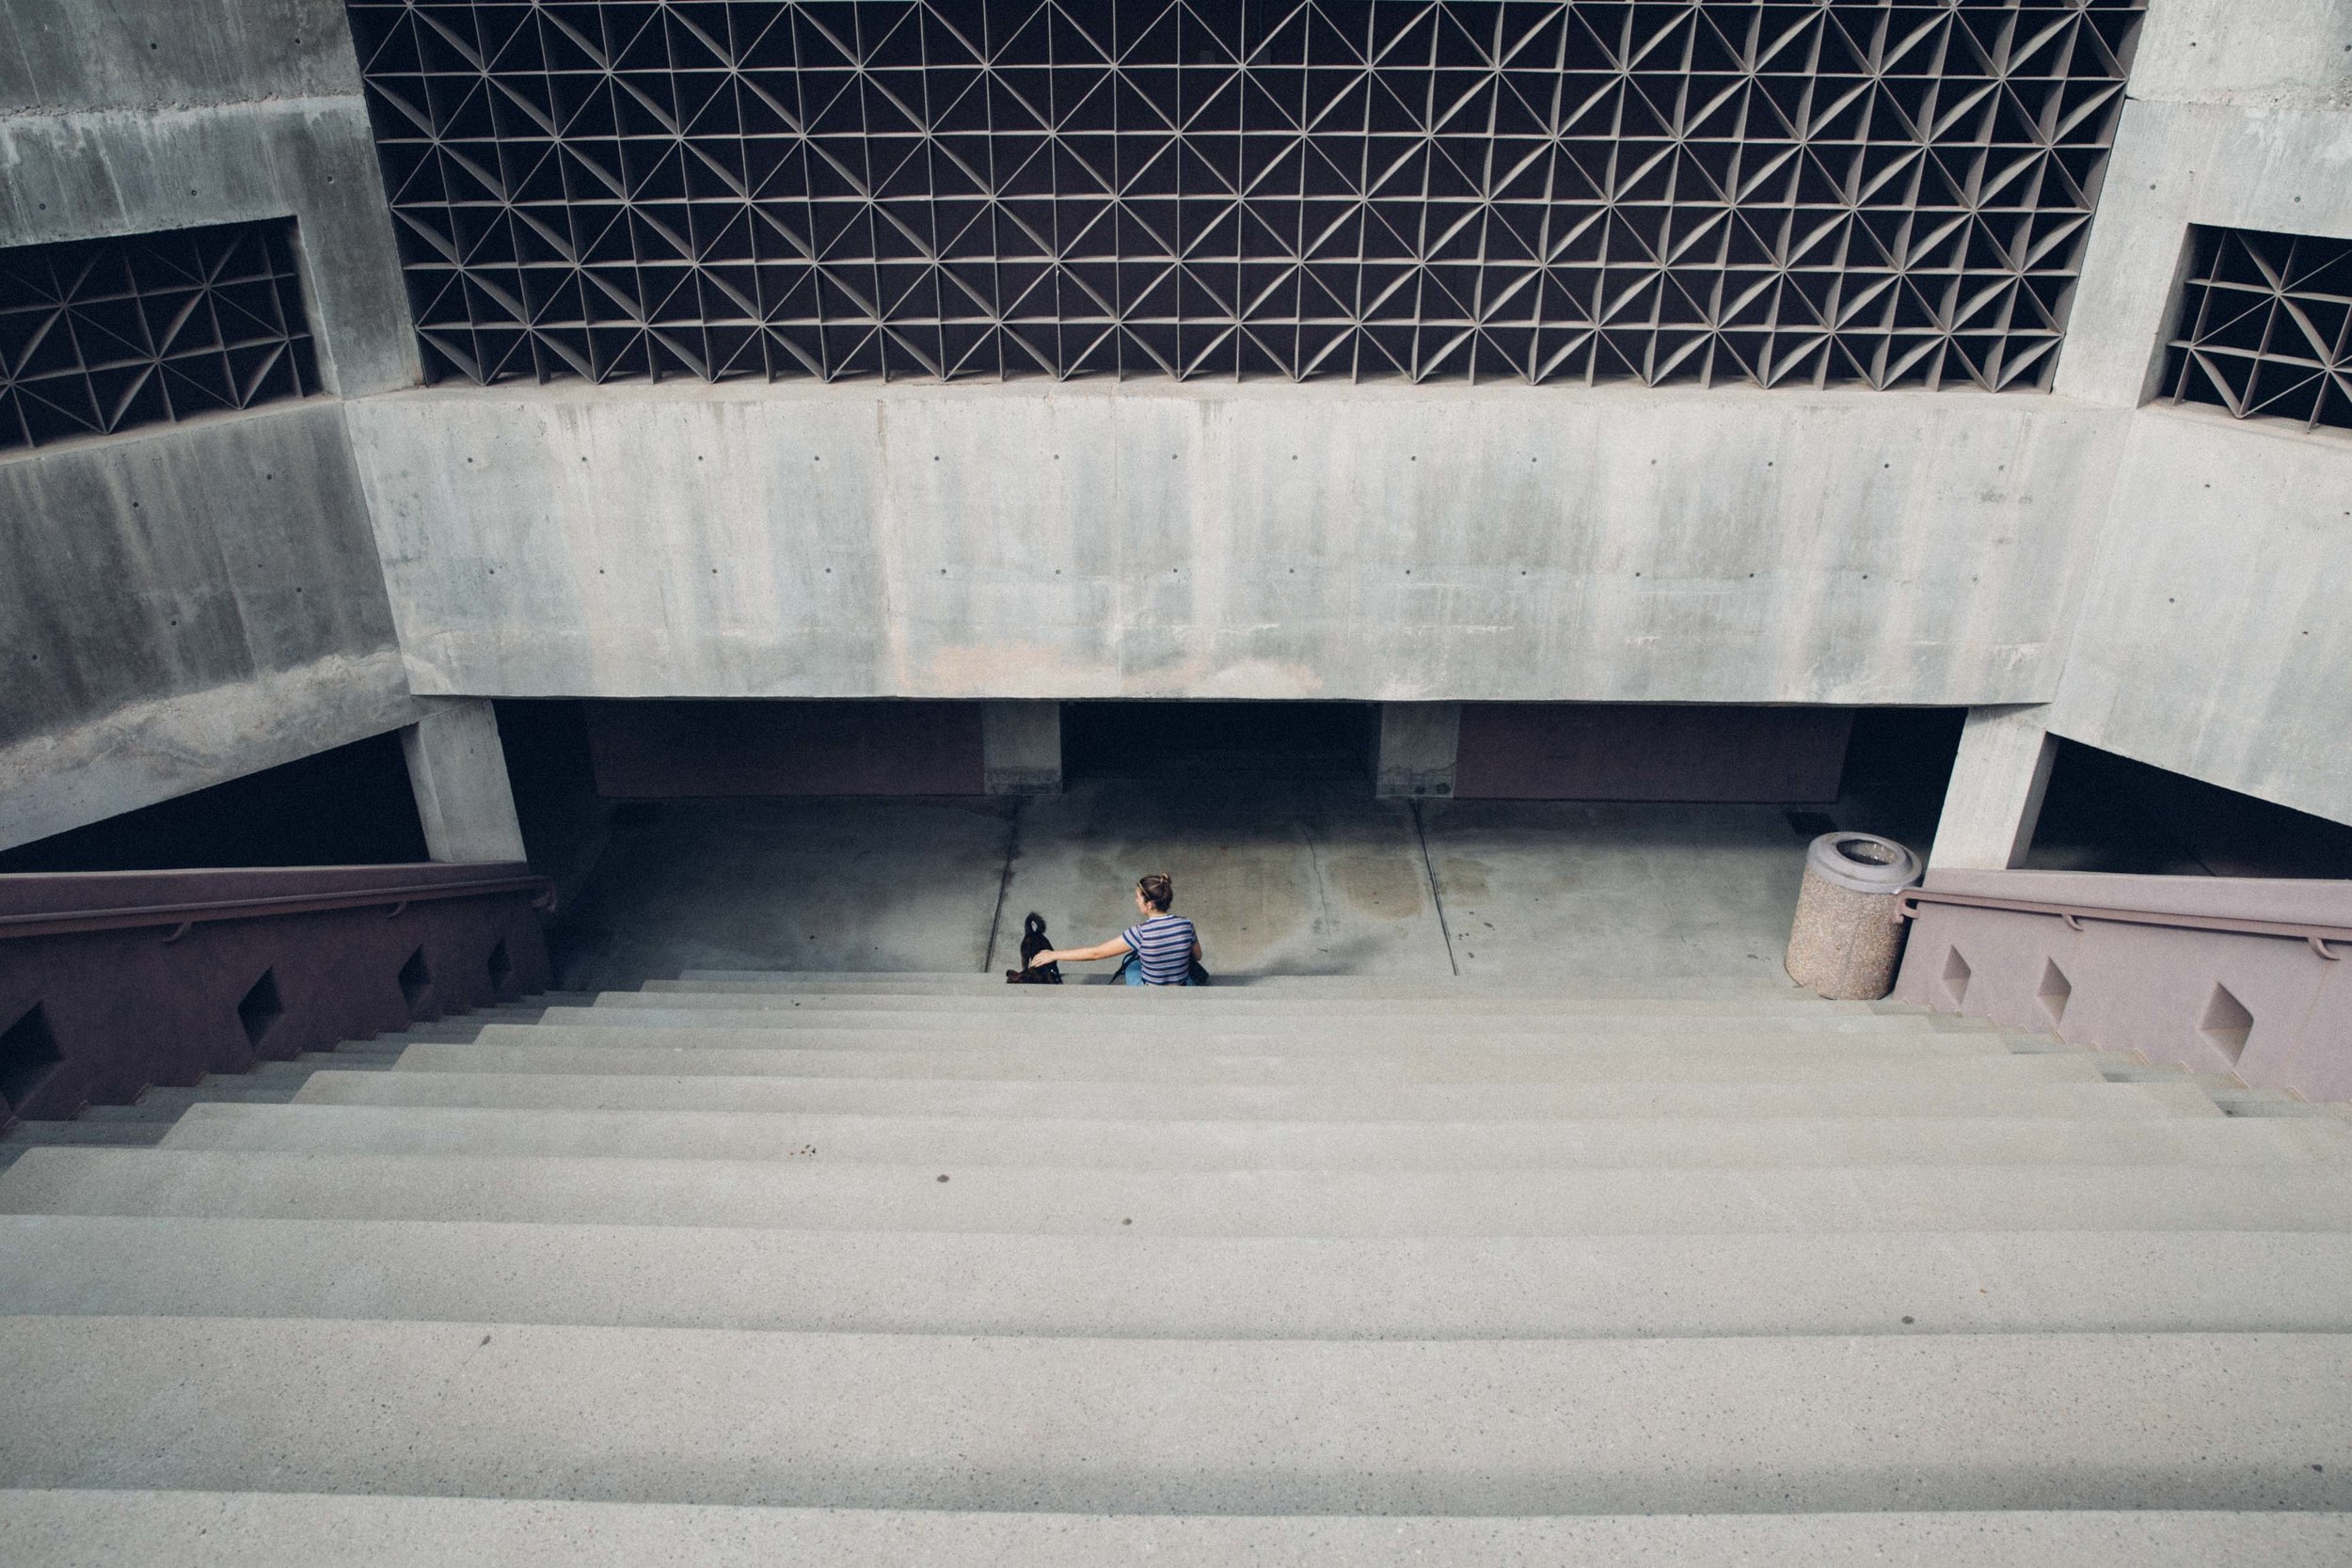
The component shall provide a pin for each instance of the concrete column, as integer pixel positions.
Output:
(458, 771)
(1021, 748)
(1995, 794)
(1418, 742)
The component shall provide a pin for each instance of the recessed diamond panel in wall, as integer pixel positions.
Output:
(1829, 193)
(104, 335)
(2265, 326)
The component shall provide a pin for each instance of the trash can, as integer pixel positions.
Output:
(1846, 941)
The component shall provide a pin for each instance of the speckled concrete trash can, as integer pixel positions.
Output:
(1846, 941)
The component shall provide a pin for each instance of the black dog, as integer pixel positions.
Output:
(1033, 942)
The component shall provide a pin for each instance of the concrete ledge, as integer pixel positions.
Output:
(277, 1530)
(1241, 1427)
(1243, 1288)
(1331, 1067)
(770, 1195)
(1040, 1097)
(1160, 1145)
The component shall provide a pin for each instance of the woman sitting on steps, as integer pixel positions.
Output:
(1162, 950)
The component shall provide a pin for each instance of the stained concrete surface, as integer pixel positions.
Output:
(1282, 876)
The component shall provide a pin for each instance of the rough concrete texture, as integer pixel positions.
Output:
(763, 1194)
(1999, 779)
(1205, 1427)
(1154, 1064)
(2213, 639)
(1093, 1098)
(1243, 1288)
(219, 609)
(1312, 1286)
(161, 114)
(1565, 891)
(184, 1530)
(1255, 541)
(2251, 53)
(1844, 943)
(458, 773)
(1255, 1145)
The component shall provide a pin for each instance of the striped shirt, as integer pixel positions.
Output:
(1163, 942)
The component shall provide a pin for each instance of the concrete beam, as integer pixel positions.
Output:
(1418, 745)
(1995, 798)
(458, 770)
(1021, 748)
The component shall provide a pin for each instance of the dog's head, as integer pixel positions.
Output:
(1033, 937)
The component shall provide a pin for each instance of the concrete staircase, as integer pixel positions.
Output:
(875, 1269)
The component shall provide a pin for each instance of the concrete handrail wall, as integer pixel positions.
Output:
(2238, 975)
(112, 981)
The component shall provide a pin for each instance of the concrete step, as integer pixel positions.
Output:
(1181, 1287)
(1138, 1144)
(279, 1530)
(1235, 1426)
(239, 1088)
(1124, 1064)
(1094, 1000)
(1084, 1025)
(1711, 987)
(1347, 1101)
(300, 1068)
(816, 1196)
(619, 1029)
(28, 1135)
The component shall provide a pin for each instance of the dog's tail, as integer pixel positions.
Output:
(1034, 926)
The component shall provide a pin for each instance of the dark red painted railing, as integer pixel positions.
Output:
(111, 981)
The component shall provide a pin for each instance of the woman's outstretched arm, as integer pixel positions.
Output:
(1112, 949)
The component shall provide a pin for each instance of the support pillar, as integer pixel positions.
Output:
(1021, 748)
(458, 771)
(1995, 798)
(1418, 743)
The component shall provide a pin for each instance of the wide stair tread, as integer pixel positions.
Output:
(867, 1268)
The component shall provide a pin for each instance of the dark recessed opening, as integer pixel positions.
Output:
(1253, 741)
(2055, 991)
(349, 806)
(1956, 975)
(416, 979)
(2226, 1022)
(2109, 813)
(28, 1054)
(260, 1008)
(501, 967)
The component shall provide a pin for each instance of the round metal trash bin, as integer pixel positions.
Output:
(1845, 939)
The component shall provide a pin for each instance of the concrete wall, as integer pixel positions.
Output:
(185, 604)
(140, 115)
(1438, 543)
(2213, 639)
(182, 606)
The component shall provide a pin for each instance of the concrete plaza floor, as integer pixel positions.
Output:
(1298, 877)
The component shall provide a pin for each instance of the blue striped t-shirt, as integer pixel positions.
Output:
(1163, 942)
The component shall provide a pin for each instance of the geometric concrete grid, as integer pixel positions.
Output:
(1858, 192)
(2265, 326)
(98, 335)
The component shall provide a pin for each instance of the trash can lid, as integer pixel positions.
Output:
(1862, 863)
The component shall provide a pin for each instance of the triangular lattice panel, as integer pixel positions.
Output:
(1834, 192)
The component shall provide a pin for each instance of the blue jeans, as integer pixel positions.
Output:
(1131, 972)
